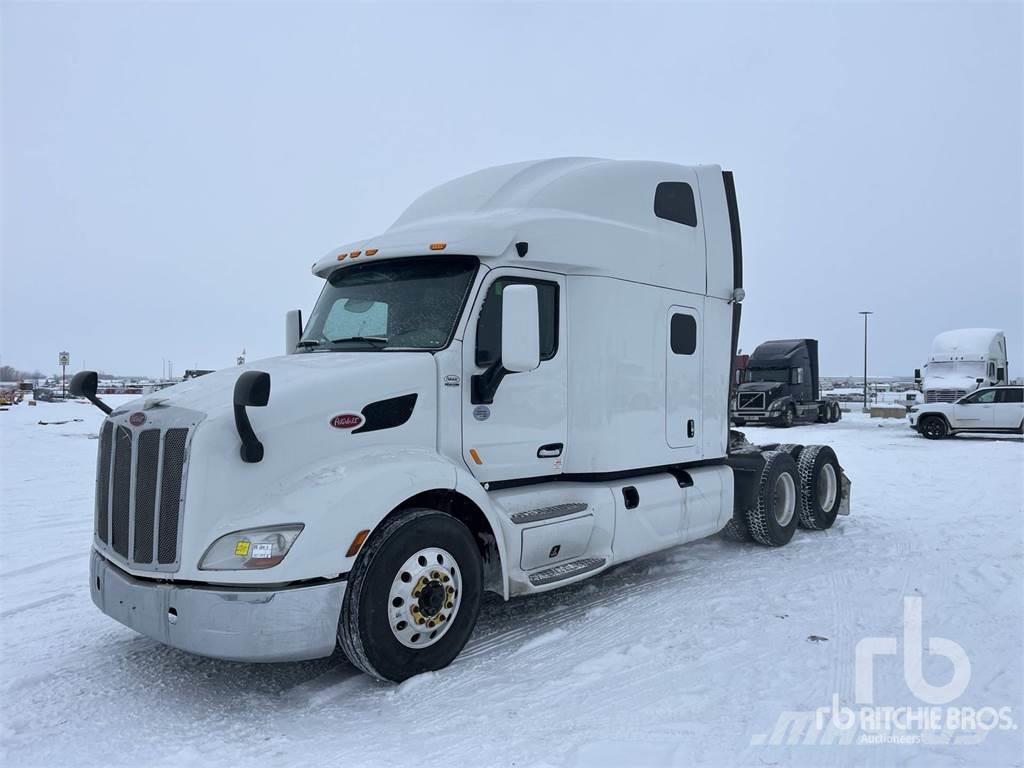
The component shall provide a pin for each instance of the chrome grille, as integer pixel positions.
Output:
(140, 487)
(944, 395)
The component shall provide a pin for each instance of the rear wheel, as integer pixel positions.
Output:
(834, 413)
(773, 519)
(819, 487)
(737, 530)
(934, 427)
(413, 596)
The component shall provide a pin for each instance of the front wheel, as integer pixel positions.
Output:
(788, 417)
(934, 427)
(413, 596)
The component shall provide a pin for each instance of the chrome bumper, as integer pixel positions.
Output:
(239, 624)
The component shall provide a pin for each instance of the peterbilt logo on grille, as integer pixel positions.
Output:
(751, 400)
(137, 419)
(346, 421)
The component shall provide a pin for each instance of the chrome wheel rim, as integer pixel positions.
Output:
(785, 499)
(827, 486)
(425, 597)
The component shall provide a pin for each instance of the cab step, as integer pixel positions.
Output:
(566, 571)
(547, 513)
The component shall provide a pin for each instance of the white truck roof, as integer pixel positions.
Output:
(578, 216)
(967, 344)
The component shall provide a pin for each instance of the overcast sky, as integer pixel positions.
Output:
(171, 171)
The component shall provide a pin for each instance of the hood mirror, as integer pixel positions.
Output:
(83, 384)
(251, 389)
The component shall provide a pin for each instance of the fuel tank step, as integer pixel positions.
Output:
(546, 513)
(566, 571)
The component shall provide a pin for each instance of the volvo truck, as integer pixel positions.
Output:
(962, 361)
(521, 383)
(780, 387)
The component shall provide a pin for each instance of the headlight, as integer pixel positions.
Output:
(775, 407)
(250, 549)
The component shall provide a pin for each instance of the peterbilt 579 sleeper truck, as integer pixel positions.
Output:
(521, 383)
(780, 386)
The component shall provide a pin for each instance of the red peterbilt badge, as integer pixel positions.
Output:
(137, 419)
(346, 421)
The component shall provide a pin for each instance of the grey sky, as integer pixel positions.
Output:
(171, 171)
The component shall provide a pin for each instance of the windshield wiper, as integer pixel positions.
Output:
(376, 341)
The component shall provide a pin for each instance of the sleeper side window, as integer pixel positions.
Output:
(488, 328)
(673, 200)
(683, 334)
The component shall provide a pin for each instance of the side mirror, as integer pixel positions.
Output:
(520, 329)
(1000, 374)
(83, 384)
(917, 375)
(251, 389)
(292, 331)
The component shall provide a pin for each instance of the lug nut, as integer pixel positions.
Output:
(451, 590)
(449, 604)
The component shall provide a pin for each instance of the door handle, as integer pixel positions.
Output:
(550, 451)
(691, 429)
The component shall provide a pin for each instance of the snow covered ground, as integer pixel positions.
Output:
(685, 658)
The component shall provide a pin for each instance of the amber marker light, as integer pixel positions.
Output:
(438, 246)
(357, 542)
(475, 455)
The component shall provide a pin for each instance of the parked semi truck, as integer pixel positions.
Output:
(521, 383)
(962, 361)
(780, 386)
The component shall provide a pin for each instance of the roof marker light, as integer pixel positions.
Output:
(438, 246)
(341, 256)
(371, 251)
(354, 254)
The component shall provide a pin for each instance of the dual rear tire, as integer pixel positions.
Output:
(797, 486)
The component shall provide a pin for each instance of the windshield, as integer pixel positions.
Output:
(767, 374)
(399, 304)
(945, 368)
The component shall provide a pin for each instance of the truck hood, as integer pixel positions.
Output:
(321, 377)
(956, 381)
(759, 386)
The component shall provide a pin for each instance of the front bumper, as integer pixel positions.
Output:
(239, 624)
(758, 417)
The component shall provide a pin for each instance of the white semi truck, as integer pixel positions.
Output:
(962, 361)
(520, 384)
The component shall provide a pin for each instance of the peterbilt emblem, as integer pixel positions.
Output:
(137, 419)
(451, 380)
(346, 421)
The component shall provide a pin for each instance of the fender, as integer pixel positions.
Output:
(355, 491)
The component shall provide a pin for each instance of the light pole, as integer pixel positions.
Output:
(866, 359)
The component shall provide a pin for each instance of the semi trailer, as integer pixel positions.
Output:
(780, 386)
(521, 383)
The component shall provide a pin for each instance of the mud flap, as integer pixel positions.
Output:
(844, 493)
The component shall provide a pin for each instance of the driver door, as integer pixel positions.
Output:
(976, 411)
(521, 433)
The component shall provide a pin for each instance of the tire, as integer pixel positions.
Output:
(824, 413)
(793, 449)
(788, 417)
(832, 415)
(820, 487)
(934, 427)
(839, 412)
(368, 629)
(773, 519)
(736, 529)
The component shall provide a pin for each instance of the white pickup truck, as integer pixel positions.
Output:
(990, 409)
(523, 382)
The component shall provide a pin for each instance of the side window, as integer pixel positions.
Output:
(796, 375)
(673, 200)
(1010, 395)
(488, 327)
(683, 334)
(986, 396)
(991, 370)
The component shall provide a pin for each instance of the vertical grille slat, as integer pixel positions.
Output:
(170, 494)
(120, 506)
(140, 486)
(146, 467)
(103, 482)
